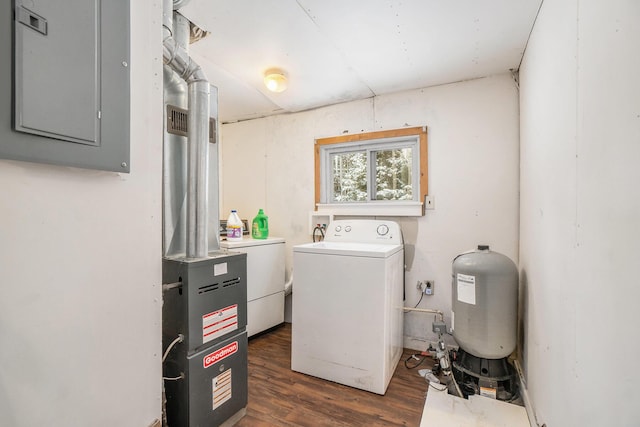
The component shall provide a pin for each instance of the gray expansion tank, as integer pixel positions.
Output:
(485, 303)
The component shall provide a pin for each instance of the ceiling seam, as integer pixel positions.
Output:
(529, 36)
(342, 54)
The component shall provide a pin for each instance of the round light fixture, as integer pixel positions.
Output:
(275, 80)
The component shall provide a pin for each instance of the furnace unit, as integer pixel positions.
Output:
(205, 302)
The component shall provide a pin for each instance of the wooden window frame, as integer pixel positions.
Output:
(420, 132)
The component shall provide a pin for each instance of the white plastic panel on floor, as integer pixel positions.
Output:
(444, 410)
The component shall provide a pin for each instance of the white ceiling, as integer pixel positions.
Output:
(342, 50)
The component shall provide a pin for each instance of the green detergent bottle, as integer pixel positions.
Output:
(260, 226)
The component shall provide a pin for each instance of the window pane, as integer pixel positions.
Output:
(393, 174)
(349, 175)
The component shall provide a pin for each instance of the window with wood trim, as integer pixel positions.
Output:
(384, 167)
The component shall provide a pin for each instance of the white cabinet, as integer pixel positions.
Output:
(265, 281)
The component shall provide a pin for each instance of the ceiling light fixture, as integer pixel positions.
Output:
(275, 80)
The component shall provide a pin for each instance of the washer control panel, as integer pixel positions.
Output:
(364, 231)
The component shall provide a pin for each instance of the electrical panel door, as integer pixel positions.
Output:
(56, 65)
(64, 82)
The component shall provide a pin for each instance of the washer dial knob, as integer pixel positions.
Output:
(383, 230)
(347, 228)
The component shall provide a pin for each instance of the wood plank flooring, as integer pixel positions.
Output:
(279, 396)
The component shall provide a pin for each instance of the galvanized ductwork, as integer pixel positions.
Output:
(199, 285)
(177, 58)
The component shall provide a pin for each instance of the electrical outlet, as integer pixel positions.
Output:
(429, 202)
(425, 286)
(428, 287)
(439, 328)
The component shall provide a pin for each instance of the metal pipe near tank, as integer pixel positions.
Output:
(178, 59)
(425, 310)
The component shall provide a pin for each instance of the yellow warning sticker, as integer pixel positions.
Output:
(221, 388)
(488, 392)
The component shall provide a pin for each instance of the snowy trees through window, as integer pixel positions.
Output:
(383, 166)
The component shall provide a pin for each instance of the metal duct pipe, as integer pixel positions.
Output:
(198, 170)
(177, 4)
(181, 31)
(178, 59)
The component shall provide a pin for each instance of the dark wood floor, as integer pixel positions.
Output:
(280, 397)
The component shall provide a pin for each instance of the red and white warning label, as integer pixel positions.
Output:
(221, 388)
(218, 323)
(220, 354)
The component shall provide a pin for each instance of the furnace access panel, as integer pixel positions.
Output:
(64, 82)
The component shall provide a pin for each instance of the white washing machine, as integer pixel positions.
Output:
(347, 304)
(265, 280)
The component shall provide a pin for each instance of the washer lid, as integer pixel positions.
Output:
(371, 250)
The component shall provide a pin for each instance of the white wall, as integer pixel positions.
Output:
(80, 273)
(580, 212)
(473, 174)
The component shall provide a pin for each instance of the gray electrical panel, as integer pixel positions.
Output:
(64, 83)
